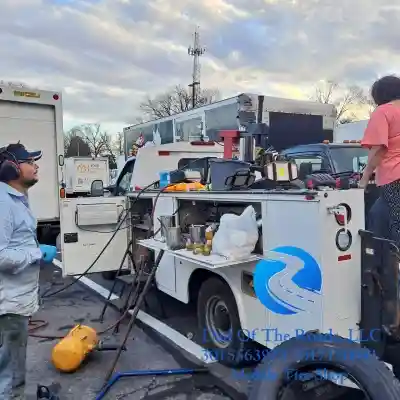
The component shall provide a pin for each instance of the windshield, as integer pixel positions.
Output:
(349, 159)
(125, 181)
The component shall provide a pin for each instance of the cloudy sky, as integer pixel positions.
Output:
(106, 55)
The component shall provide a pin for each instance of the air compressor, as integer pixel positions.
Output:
(71, 351)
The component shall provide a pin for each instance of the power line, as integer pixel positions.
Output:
(196, 51)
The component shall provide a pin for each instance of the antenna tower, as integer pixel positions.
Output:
(196, 51)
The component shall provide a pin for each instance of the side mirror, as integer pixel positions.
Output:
(97, 188)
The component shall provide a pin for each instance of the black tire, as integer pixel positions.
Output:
(323, 351)
(233, 352)
(109, 275)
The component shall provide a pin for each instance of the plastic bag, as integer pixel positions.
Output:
(237, 235)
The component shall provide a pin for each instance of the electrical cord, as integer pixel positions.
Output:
(45, 295)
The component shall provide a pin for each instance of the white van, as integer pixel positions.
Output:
(144, 168)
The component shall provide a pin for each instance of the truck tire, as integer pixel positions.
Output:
(217, 312)
(109, 275)
(316, 351)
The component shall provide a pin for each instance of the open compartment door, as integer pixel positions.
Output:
(87, 225)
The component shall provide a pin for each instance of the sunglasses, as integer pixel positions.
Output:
(30, 162)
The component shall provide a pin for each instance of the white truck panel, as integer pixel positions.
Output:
(81, 172)
(85, 234)
(34, 125)
(34, 117)
(351, 131)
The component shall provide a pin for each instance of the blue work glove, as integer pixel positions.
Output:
(48, 252)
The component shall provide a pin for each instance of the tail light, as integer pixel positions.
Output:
(341, 217)
(62, 193)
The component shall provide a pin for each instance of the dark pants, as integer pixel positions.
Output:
(391, 195)
(13, 342)
(383, 217)
(378, 219)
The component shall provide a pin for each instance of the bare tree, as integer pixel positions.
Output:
(176, 100)
(370, 106)
(95, 137)
(118, 144)
(114, 146)
(345, 121)
(91, 140)
(75, 145)
(345, 99)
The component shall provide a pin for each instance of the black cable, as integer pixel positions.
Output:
(104, 248)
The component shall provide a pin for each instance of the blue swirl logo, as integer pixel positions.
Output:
(289, 284)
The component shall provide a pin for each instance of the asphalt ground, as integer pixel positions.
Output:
(146, 350)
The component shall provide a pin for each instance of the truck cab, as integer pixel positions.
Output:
(341, 160)
(338, 159)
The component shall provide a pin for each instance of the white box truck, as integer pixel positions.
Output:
(34, 117)
(80, 172)
(350, 131)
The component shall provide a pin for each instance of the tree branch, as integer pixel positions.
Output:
(176, 100)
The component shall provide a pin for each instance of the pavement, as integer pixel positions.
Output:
(145, 351)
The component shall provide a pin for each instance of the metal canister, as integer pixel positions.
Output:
(197, 233)
(166, 222)
(174, 238)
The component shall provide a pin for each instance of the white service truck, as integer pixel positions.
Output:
(34, 117)
(311, 271)
(80, 172)
(314, 286)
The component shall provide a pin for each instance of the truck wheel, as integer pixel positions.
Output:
(293, 362)
(109, 275)
(220, 330)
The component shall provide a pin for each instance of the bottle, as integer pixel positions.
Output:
(189, 245)
(207, 248)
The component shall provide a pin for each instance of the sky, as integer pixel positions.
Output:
(106, 56)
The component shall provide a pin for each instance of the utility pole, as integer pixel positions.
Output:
(196, 51)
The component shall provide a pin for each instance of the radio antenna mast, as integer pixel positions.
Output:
(196, 51)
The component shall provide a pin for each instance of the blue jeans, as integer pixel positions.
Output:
(13, 342)
(378, 218)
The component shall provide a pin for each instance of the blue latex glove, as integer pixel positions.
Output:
(48, 253)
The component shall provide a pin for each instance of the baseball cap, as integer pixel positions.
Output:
(19, 151)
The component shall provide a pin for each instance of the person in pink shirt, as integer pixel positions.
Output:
(382, 138)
